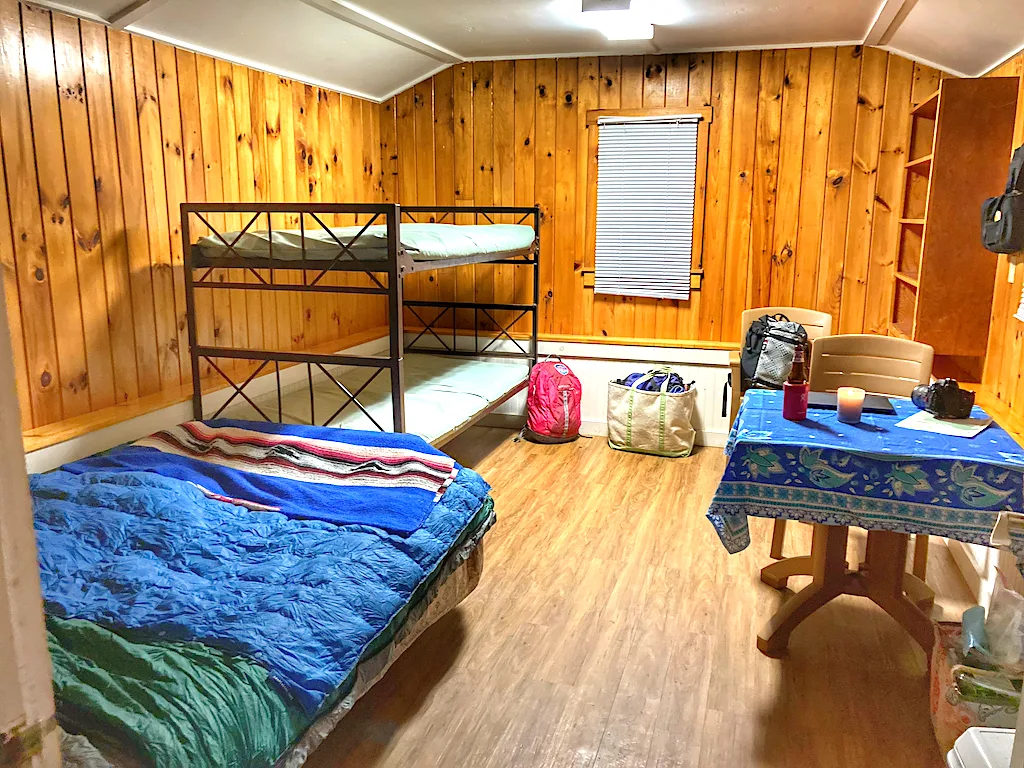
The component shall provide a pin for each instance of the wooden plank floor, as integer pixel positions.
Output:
(612, 629)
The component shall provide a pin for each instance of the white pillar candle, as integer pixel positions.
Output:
(850, 404)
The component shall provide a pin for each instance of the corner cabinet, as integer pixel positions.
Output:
(958, 150)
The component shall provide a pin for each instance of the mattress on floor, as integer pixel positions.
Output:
(152, 665)
(441, 394)
(222, 691)
(423, 242)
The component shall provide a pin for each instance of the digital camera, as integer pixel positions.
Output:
(944, 398)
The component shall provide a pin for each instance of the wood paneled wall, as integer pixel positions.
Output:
(802, 191)
(103, 134)
(1004, 361)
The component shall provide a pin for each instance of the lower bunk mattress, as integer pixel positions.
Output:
(441, 395)
(192, 622)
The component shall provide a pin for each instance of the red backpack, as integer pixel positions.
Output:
(553, 403)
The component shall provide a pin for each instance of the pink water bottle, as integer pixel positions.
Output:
(796, 389)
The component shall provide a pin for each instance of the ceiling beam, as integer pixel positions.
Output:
(381, 27)
(890, 17)
(133, 12)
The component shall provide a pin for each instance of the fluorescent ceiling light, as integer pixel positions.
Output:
(624, 25)
(636, 23)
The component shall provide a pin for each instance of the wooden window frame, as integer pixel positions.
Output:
(707, 116)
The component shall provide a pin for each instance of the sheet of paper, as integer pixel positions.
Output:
(923, 421)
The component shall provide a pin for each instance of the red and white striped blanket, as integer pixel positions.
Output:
(304, 459)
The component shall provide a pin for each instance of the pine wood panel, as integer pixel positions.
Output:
(55, 203)
(804, 154)
(1003, 363)
(106, 134)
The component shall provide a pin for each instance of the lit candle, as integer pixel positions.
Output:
(850, 403)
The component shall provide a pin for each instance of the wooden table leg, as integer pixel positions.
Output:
(777, 574)
(920, 594)
(921, 556)
(830, 579)
(778, 538)
(883, 578)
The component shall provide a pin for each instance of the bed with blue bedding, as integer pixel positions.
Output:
(220, 593)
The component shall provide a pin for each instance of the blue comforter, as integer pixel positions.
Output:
(152, 557)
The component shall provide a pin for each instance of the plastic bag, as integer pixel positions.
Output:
(963, 697)
(1005, 625)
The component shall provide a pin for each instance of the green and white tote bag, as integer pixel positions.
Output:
(658, 423)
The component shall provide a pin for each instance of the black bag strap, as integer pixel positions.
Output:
(1015, 183)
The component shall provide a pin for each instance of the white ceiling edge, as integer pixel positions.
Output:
(655, 51)
(440, 68)
(67, 10)
(254, 65)
(382, 27)
(249, 63)
(1002, 61)
(926, 62)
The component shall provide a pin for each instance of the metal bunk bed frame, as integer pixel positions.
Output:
(397, 266)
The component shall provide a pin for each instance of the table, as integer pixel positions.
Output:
(891, 481)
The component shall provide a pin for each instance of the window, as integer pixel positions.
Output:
(646, 189)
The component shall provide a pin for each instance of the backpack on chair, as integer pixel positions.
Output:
(768, 351)
(553, 403)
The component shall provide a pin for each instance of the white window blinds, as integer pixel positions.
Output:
(646, 186)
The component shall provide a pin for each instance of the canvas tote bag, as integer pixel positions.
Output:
(658, 423)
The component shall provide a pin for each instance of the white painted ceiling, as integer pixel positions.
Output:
(382, 46)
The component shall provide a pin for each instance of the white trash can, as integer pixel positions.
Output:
(982, 748)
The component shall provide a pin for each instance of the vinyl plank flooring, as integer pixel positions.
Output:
(611, 628)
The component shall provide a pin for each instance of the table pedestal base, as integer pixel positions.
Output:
(882, 578)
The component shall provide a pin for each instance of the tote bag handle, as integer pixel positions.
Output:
(651, 374)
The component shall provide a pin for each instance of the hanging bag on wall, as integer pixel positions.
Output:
(658, 422)
(1002, 218)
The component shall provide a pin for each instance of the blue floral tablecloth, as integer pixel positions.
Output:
(873, 475)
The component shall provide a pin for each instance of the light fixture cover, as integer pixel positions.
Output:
(606, 5)
(633, 30)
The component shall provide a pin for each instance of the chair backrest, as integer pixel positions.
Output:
(883, 365)
(816, 323)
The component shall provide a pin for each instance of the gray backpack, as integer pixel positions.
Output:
(768, 353)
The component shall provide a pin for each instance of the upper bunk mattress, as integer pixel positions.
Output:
(423, 242)
(441, 395)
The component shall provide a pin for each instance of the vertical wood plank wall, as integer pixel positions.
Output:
(1006, 334)
(802, 188)
(103, 135)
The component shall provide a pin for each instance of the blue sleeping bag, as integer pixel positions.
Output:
(152, 557)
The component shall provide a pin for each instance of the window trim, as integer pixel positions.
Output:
(706, 115)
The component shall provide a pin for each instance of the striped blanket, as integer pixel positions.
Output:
(389, 481)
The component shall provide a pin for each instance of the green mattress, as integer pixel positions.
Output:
(441, 394)
(423, 242)
(175, 703)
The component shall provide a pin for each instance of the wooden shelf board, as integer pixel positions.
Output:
(911, 281)
(912, 222)
(928, 108)
(922, 166)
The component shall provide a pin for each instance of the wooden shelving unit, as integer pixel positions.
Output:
(957, 151)
(922, 165)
